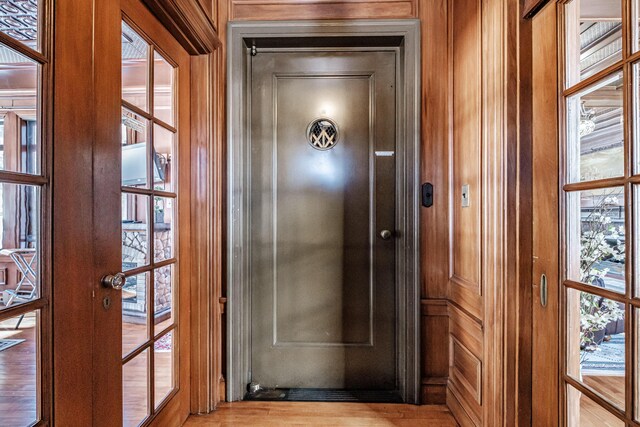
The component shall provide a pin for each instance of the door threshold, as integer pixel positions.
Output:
(324, 395)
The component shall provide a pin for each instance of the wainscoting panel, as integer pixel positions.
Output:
(435, 359)
(465, 284)
(465, 366)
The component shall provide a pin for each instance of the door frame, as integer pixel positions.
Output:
(401, 34)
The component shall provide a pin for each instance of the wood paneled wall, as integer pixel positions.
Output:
(489, 286)
(434, 168)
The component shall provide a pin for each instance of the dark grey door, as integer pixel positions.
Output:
(322, 218)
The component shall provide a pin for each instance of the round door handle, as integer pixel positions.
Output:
(115, 281)
(386, 234)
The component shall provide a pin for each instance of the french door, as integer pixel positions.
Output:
(155, 129)
(121, 214)
(153, 199)
(591, 169)
(94, 180)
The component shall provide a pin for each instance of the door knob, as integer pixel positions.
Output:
(115, 281)
(386, 234)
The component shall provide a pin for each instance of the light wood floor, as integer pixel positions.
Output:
(18, 390)
(591, 414)
(18, 375)
(324, 414)
(18, 385)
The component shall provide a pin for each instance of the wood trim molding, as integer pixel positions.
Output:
(531, 7)
(546, 164)
(188, 22)
(202, 298)
(253, 10)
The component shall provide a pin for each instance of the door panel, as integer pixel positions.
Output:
(141, 209)
(323, 292)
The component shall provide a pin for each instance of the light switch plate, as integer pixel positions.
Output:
(465, 196)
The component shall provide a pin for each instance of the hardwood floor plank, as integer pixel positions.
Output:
(324, 414)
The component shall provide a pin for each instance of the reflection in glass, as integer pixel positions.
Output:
(163, 226)
(164, 355)
(163, 289)
(582, 411)
(596, 243)
(593, 37)
(135, 63)
(596, 339)
(134, 150)
(20, 234)
(134, 312)
(163, 158)
(19, 20)
(19, 360)
(19, 91)
(135, 390)
(135, 231)
(163, 81)
(595, 134)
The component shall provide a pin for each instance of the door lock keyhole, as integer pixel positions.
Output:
(106, 303)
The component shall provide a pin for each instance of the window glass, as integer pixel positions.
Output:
(595, 132)
(593, 37)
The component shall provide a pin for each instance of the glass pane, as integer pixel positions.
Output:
(134, 150)
(594, 37)
(635, 17)
(596, 344)
(135, 229)
(163, 81)
(163, 227)
(596, 238)
(20, 234)
(19, 122)
(19, 20)
(135, 68)
(134, 312)
(163, 158)
(636, 112)
(163, 287)
(135, 390)
(636, 242)
(163, 350)
(584, 412)
(19, 360)
(595, 134)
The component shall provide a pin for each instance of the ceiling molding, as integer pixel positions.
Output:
(189, 24)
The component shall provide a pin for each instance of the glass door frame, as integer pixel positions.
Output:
(569, 186)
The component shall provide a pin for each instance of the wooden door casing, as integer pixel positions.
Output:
(545, 131)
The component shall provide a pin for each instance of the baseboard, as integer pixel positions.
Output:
(434, 391)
